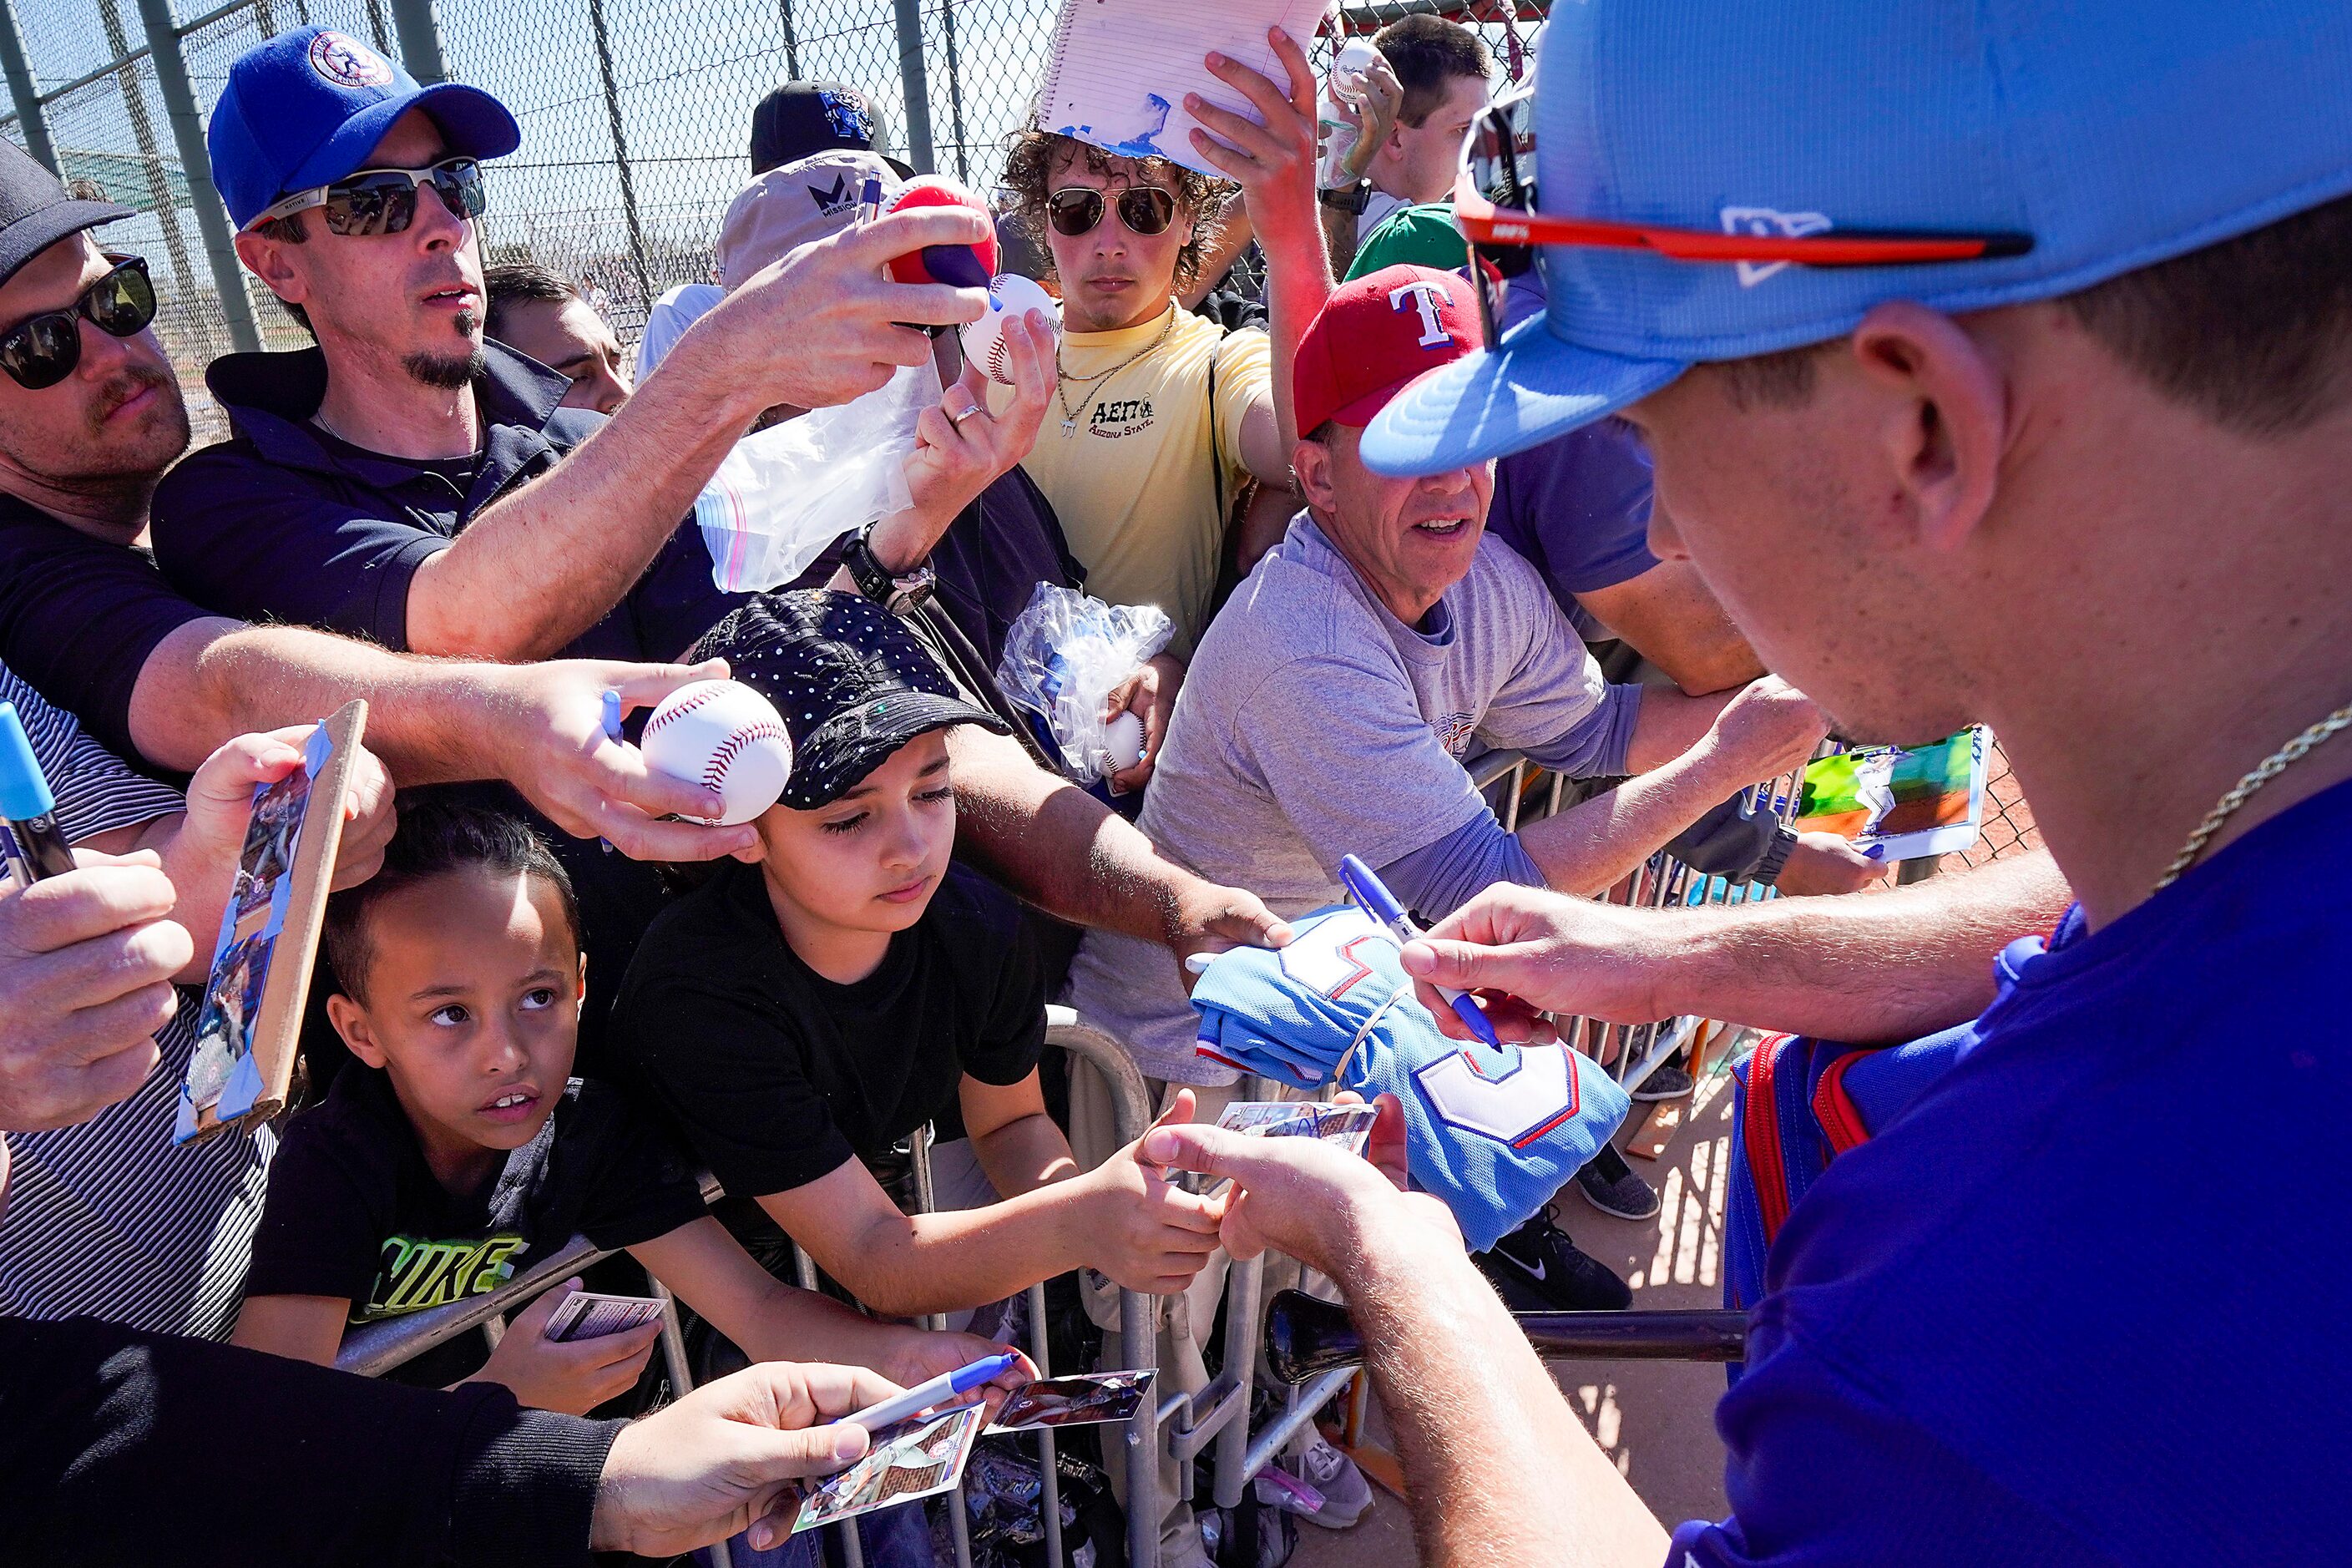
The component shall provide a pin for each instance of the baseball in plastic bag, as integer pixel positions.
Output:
(1063, 656)
(785, 493)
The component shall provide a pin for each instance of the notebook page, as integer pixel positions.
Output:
(1121, 67)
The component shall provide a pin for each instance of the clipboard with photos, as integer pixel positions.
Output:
(249, 1025)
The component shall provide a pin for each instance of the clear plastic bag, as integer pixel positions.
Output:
(1063, 655)
(783, 495)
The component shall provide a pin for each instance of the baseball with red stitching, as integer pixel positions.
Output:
(1008, 294)
(724, 734)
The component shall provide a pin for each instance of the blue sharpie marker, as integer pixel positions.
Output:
(39, 850)
(1377, 901)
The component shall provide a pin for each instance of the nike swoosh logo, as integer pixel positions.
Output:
(1535, 1268)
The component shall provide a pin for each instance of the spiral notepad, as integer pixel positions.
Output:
(1120, 69)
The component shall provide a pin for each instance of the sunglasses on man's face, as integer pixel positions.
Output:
(383, 201)
(43, 350)
(1074, 210)
(1494, 201)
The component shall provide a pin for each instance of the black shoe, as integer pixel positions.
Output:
(1615, 1188)
(1538, 1264)
(1666, 1082)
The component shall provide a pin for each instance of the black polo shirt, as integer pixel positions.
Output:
(283, 523)
(80, 616)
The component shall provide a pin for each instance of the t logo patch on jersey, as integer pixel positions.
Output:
(1514, 1106)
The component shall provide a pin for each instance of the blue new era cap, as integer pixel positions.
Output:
(306, 109)
(2109, 134)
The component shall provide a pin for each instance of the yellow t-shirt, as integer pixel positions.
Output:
(1127, 466)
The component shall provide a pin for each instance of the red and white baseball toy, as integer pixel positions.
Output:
(725, 735)
(964, 265)
(1008, 295)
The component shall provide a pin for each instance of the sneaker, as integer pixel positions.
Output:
(1538, 1264)
(1321, 1486)
(1621, 1194)
(1664, 1083)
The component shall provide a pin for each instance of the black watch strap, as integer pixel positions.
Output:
(1352, 198)
(898, 595)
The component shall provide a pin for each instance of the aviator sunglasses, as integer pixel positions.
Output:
(43, 351)
(383, 201)
(1074, 210)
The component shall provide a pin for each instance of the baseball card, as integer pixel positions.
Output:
(912, 1459)
(1085, 1400)
(592, 1315)
(1348, 1126)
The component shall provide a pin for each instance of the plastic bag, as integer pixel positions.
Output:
(1061, 657)
(783, 495)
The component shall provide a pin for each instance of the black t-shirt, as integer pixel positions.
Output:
(79, 617)
(354, 1212)
(778, 1075)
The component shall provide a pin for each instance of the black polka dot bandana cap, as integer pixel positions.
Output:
(852, 684)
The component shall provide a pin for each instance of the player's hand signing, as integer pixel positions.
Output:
(1141, 1228)
(722, 1459)
(961, 447)
(549, 721)
(86, 965)
(824, 323)
(1274, 163)
(571, 1376)
(1524, 950)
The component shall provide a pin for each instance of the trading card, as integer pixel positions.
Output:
(910, 1460)
(592, 1315)
(1081, 1401)
(1348, 1126)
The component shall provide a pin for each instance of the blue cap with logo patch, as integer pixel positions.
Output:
(308, 106)
(2094, 136)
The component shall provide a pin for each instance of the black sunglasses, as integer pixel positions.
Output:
(1074, 210)
(43, 351)
(383, 201)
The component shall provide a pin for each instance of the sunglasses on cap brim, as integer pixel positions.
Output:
(1077, 210)
(42, 351)
(383, 201)
(1494, 201)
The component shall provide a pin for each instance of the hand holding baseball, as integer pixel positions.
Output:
(961, 447)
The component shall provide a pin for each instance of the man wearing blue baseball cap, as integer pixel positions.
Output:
(1996, 362)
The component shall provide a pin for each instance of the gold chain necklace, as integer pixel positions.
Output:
(1091, 383)
(2269, 768)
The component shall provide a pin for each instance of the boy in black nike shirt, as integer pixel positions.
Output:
(801, 1014)
(462, 1150)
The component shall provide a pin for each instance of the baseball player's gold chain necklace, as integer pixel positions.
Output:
(2269, 768)
(1092, 382)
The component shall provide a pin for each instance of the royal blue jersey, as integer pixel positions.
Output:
(2079, 1303)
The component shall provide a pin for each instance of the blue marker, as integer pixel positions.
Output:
(39, 850)
(612, 734)
(1377, 901)
(945, 1387)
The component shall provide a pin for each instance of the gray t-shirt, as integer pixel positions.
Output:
(1315, 724)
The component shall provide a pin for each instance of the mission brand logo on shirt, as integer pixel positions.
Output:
(418, 1272)
(1124, 417)
(835, 202)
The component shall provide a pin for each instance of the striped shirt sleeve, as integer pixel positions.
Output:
(95, 792)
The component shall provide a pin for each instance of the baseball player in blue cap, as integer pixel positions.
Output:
(1996, 362)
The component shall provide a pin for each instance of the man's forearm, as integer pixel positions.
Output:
(1669, 724)
(962, 1258)
(1591, 847)
(1888, 966)
(1497, 1467)
(1297, 281)
(544, 564)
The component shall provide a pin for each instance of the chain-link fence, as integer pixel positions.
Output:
(636, 118)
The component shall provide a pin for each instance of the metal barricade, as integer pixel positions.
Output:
(374, 1348)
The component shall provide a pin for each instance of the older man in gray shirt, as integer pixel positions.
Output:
(1330, 705)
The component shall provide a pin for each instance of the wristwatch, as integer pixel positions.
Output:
(899, 594)
(1352, 198)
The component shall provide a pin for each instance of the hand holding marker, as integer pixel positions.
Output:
(39, 850)
(938, 1390)
(1376, 900)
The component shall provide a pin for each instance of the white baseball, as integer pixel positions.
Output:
(723, 734)
(983, 341)
(1123, 739)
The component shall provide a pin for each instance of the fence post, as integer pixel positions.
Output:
(195, 163)
(420, 40)
(792, 42)
(955, 92)
(22, 88)
(915, 78)
(620, 151)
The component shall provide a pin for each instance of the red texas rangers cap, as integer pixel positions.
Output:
(1375, 336)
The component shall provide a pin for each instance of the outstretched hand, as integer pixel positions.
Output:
(1272, 162)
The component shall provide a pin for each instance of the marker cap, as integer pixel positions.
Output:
(24, 791)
